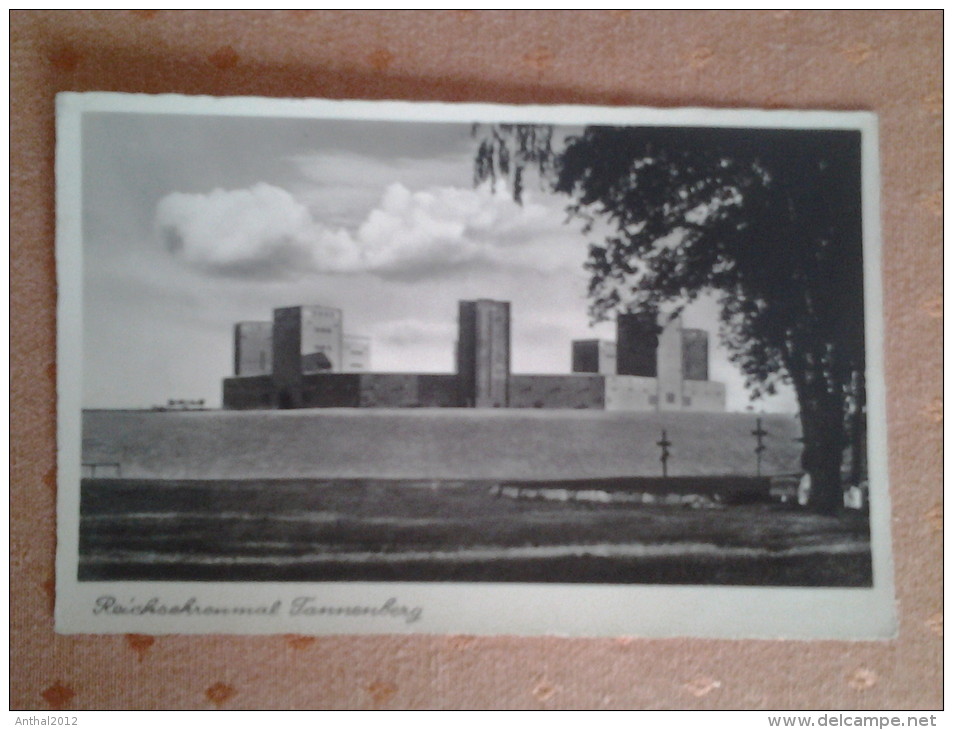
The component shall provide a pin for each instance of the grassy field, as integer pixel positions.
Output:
(314, 530)
(428, 495)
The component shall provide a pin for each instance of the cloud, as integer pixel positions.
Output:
(265, 232)
(410, 331)
(332, 168)
(261, 232)
(341, 187)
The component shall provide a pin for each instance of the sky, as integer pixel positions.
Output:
(192, 223)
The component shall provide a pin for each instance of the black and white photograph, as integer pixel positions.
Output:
(347, 367)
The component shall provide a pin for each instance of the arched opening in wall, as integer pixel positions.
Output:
(284, 399)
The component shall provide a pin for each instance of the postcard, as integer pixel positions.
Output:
(344, 367)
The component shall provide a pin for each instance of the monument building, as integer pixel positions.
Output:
(483, 353)
(313, 364)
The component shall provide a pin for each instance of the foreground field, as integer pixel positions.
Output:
(449, 530)
(429, 495)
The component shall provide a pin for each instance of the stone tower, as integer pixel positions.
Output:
(483, 353)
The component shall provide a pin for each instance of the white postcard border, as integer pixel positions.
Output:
(438, 608)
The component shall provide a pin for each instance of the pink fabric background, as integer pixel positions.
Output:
(888, 62)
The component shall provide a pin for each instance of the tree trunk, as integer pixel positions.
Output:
(822, 421)
(858, 430)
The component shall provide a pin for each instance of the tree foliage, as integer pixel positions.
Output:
(507, 150)
(767, 220)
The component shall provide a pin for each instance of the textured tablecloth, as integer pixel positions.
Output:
(887, 62)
